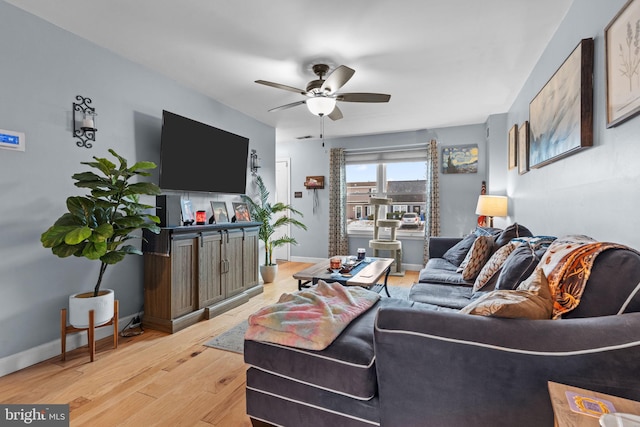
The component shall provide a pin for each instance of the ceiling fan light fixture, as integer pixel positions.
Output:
(321, 105)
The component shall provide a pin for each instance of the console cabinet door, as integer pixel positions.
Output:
(250, 259)
(232, 275)
(210, 288)
(184, 276)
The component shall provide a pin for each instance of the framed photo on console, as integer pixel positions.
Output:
(188, 216)
(241, 211)
(220, 213)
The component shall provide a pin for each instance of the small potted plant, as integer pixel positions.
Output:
(100, 225)
(264, 212)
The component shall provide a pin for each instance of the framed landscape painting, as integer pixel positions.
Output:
(622, 55)
(460, 159)
(561, 114)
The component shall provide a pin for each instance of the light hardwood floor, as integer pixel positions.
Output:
(154, 379)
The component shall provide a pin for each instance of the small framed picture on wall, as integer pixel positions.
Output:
(523, 148)
(513, 142)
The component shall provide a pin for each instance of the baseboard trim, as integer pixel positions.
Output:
(34, 355)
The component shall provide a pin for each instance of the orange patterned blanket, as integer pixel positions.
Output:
(567, 264)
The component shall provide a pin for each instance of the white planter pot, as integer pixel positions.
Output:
(268, 272)
(81, 303)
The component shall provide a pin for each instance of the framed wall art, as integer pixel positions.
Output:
(622, 36)
(513, 141)
(561, 114)
(523, 148)
(460, 159)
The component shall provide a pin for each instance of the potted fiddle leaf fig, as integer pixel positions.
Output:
(264, 212)
(100, 225)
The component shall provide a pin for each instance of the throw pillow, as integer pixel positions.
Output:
(455, 255)
(477, 257)
(494, 265)
(519, 265)
(532, 300)
(511, 232)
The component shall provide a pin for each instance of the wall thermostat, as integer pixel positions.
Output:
(12, 140)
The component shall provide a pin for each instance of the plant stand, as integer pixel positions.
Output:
(64, 330)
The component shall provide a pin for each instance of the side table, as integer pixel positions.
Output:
(566, 417)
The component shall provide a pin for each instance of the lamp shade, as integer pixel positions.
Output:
(492, 206)
(321, 105)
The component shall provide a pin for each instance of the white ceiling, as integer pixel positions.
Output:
(444, 62)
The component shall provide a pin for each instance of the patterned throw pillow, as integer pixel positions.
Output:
(494, 265)
(532, 300)
(477, 257)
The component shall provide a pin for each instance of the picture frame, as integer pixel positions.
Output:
(188, 214)
(523, 148)
(241, 212)
(220, 213)
(460, 159)
(513, 141)
(621, 59)
(561, 114)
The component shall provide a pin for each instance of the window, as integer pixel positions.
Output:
(397, 174)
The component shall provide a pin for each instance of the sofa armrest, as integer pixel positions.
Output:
(439, 245)
(479, 371)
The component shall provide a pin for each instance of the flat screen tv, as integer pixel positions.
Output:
(198, 157)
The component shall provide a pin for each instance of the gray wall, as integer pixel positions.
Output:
(459, 192)
(43, 69)
(596, 191)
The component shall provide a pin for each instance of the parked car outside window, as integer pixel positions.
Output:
(410, 219)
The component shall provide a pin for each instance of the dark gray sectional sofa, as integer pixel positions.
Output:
(422, 363)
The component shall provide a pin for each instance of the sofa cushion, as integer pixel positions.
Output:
(519, 265)
(349, 359)
(439, 270)
(531, 300)
(476, 257)
(493, 265)
(455, 255)
(511, 232)
(454, 297)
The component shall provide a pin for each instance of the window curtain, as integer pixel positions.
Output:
(338, 242)
(432, 211)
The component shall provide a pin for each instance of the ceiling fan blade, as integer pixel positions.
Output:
(281, 86)
(284, 107)
(363, 97)
(336, 114)
(337, 79)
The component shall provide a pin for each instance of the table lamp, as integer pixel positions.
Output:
(491, 206)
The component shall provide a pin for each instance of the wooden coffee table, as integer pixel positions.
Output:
(366, 277)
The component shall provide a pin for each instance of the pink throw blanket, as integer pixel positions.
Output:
(311, 318)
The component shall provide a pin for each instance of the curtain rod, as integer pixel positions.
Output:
(387, 149)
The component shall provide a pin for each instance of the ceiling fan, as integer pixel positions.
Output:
(322, 93)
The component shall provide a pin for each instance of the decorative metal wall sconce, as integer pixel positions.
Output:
(84, 122)
(253, 163)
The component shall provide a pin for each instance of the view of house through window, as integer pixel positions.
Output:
(402, 181)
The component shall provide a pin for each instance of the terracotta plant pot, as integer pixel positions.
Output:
(268, 272)
(82, 302)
